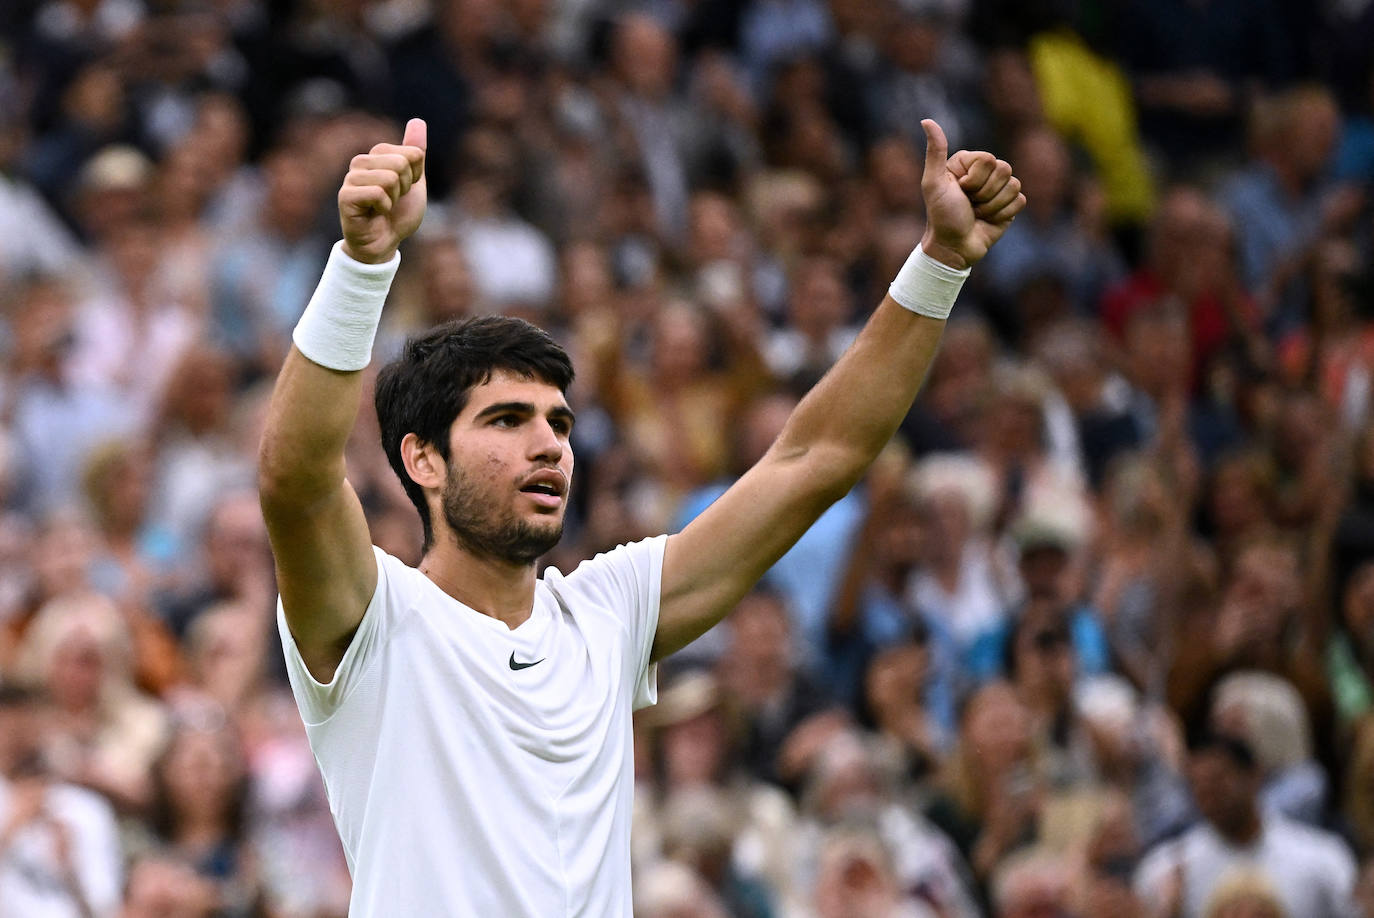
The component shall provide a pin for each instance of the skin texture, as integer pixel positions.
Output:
(319, 535)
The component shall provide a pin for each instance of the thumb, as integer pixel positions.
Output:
(937, 151)
(417, 134)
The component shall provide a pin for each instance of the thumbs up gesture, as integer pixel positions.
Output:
(382, 200)
(971, 198)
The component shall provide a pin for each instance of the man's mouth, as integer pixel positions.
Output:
(546, 488)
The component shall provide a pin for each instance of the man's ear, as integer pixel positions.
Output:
(422, 462)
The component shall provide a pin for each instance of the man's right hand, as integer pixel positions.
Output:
(382, 200)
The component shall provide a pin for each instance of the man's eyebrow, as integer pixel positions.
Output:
(524, 408)
(506, 407)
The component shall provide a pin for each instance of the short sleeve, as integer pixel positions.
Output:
(1154, 872)
(628, 581)
(319, 700)
(97, 855)
(1342, 872)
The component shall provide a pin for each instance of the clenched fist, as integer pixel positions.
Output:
(971, 198)
(382, 200)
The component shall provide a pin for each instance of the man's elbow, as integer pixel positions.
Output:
(287, 483)
(829, 472)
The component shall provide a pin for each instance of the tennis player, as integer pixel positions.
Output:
(471, 719)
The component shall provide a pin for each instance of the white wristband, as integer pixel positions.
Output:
(340, 322)
(927, 287)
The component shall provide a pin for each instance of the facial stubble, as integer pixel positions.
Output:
(482, 529)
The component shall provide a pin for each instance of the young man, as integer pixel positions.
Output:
(472, 721)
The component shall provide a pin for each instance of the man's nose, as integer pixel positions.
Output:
(546, 443)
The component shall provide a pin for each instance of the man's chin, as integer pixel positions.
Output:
(535, 540)
(524, 543)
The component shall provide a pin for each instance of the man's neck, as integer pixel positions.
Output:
(1245, 831)
(496, 588)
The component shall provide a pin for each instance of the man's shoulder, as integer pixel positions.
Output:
(1188, 844)
(1300, 839)
(80, 805)
(632, 559)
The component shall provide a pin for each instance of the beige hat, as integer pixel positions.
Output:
(118, 167)
(689, 695)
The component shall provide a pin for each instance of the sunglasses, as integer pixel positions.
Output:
(1050, 640)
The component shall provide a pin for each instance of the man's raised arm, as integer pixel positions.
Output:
(843, 423)
(325, 569)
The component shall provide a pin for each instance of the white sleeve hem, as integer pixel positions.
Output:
(646, 686)
(318, 701)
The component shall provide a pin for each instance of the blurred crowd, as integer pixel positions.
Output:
(1094, 638)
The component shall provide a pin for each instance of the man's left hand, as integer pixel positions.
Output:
(971, 199)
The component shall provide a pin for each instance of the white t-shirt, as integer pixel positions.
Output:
(1313, 872)
(32, 883)
(474, 769)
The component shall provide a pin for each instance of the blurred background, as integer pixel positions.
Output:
(1095, 637)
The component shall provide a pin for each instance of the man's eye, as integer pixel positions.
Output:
(506, 420)
(562, 427)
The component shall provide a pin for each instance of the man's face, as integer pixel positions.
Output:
(510, 469)
(1224, 791)
(20, 740)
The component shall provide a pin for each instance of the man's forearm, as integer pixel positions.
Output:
(315, 401)
(855, 409)
(311, 415)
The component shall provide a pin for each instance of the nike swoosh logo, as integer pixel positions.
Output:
(519, 666)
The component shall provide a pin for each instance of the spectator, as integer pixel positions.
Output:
(855, 874)
(692, 450)
(1245, 896)
(1045, 549)
(133, 556)
(1138, 749)
(1054, 241)
(960, 584)
(163, 887)
(260, 275)
(1190, 256)
(694, 742)
(199, 807)
(850, 789)
(1032, 884)
(646, 64)
(1257, 626)
(105, 733)
(818, 325)
(1311, 872)
(59, 844)
(1280, 203)
(1350, 653)
(1358, 805)
(513, 263)
(1270, 714)
(786, 714)
(41, 243)
(234, 567)
(908, 703)
(808, 576)
(56, 420)
(1195, 69)
(989, 797)
(671, 890)
(193, 436)
(699, 831)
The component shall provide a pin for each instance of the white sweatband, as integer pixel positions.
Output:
(927, 287)
(340, 322)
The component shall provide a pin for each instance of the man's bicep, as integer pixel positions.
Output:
(720, 555)
(326, 573)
